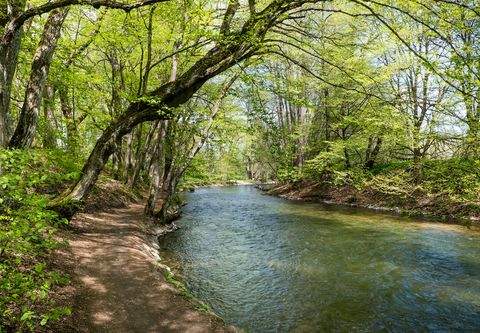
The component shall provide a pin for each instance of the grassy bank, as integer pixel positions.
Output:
(445, 189)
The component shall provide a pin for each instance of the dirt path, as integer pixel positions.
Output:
(120, 289)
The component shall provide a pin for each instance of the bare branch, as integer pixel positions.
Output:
(229, 14)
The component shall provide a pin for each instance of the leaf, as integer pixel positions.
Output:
(27, 315)
(44, 320)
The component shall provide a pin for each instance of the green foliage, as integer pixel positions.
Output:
(27, 236)
(290, 174)
(396, 182)
(325, 162)
(457, 177)
(210, 167)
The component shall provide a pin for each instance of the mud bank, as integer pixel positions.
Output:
(436, 207)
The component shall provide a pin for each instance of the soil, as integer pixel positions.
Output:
(117, 281)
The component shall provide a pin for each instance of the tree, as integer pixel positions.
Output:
(27, 123)
(157, 105)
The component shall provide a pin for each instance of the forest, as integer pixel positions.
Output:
(366, 102)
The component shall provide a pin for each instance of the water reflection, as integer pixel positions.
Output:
(269, 265)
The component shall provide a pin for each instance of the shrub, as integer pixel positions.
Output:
(27, 236)
(457, 177)
(326, 162)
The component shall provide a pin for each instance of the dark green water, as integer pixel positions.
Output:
(270, 265)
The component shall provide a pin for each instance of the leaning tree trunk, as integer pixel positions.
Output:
(27, 124)
(159, 104)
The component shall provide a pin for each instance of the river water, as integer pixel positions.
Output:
(266, 264)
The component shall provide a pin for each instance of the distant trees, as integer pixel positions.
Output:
(376, 99)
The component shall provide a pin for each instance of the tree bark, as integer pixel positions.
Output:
(8, 66)
(67, 106)
(8, 69)
(374, 145)
(27, 124)
(158, 171)
(49, 138)
(142, 156)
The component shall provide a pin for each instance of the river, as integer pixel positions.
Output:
(266, 264)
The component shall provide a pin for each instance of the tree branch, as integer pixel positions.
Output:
(228, 17)
(18, 21)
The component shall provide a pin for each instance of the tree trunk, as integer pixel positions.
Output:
(158, 171)
(473, 123)
(142, 157)
(128, 157)
(374, 145)
(25, 131)
(70, 123)
(8, 66)
(49, 137)
(417, 166)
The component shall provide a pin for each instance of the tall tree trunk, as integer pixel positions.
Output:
(128, 157)
(142, 156)
(158, 171)
(8, 66)
(373, 148)
(473, 123)
(67, 106)
(27, 124)
(417, 166)
(49, 139)
(164, 158)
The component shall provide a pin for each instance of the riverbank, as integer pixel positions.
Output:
(416, 203)
(119, 281)
(190, 186)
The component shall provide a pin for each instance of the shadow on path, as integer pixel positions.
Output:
(120, 288)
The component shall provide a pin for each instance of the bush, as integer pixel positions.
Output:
(27, 236)
(392, 166)
(457, 176)
(326, 162)
(290, 175)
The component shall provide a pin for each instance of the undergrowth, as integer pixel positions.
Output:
(28, 230)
